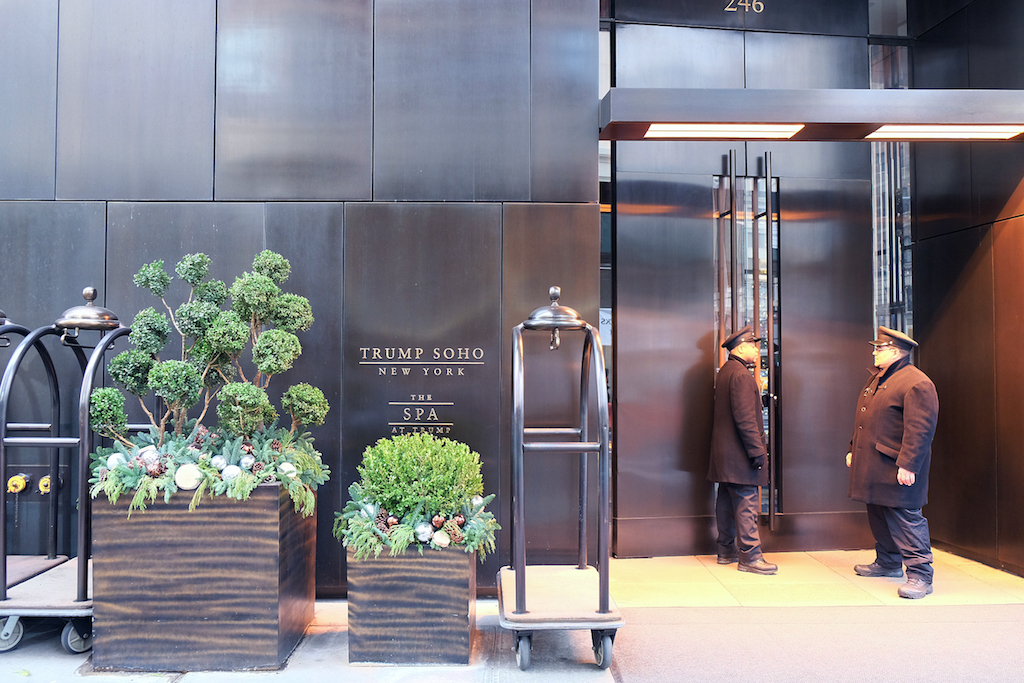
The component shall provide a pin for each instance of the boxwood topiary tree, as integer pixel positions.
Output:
(206, 361)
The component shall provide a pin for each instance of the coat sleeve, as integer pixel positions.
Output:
(920, 412)
(746, 411)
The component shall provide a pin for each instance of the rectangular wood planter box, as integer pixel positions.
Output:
(412, 609)
(229, 586)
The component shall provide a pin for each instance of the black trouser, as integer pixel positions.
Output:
(736, 511)
(901, 537)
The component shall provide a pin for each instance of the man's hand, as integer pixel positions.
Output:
(849, 459)
(759, 462)
(905, 477)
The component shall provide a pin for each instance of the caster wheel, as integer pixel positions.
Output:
(72, 642)
(17, 633)
(523, 645)
(603, 653)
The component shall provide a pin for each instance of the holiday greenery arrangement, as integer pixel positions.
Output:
(247, 447)
(417, 489)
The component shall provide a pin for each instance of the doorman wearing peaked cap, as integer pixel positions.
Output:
(890, 454)
(738, 456)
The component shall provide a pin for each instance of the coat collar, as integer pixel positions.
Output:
(891, 370)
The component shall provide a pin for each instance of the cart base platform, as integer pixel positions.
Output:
(558, 597)
(49, 594)
(23, 567)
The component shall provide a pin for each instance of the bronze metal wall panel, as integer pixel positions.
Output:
(545, 245)
(838, 17)
(827, 322)
(135, 90)
(996, 61)
(451, 100)
(923, 15)
(954, 319)
(778, 61)
(421, 339)
(940, 58)
(563, 83)
(942, 201)
(1007, 246)
(310, 236)
(674, 57)
(664, 339)
(838, 160)
(28, 98)
(294, 99)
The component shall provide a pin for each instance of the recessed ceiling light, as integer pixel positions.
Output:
(774, 131)
(945, 132)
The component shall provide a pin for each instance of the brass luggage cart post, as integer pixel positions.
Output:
(580, 592)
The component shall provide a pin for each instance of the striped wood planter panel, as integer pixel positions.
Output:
(412, 609)
(229, 586)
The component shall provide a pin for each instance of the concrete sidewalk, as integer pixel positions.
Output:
(565, 656)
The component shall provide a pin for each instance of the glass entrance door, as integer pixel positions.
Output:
(746, 268)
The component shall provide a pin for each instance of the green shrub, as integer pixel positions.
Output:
(244, 408)
(417, 488)
(406, 470)
(306, 404)
(206, 368)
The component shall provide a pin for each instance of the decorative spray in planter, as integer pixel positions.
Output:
(417, 490)
(247, 447)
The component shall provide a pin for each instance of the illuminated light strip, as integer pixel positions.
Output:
(774, 131)
(946, 132)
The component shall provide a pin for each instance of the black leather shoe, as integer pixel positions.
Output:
(914, 588)
(727, 559)
(759, 566)
(875, 569)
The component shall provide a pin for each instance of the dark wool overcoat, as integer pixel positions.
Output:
(894, 427)
(737, 434)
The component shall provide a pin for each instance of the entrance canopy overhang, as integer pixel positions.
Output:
(811, 115)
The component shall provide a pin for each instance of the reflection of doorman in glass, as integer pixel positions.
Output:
(738, 455)
(889, 458)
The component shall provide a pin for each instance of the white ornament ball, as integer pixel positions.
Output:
(149, 455)
(246, 462)
(219, 461)
(287, 469)
(230, 472)
(423, 531)
(114, 460)
(441, 538)
(477, 500)
(188, 477)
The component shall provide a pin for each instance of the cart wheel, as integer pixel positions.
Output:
(523, 644)
(72, 641)
(603, 652)
(16, 635)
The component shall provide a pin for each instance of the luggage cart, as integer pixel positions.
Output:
(562, 597)
(53, 585)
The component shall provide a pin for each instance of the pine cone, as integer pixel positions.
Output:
(453, 530)
(382, 520)
(276, 445)
(257, 468)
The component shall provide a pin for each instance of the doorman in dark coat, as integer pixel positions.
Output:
(889, 458)
(738, 456)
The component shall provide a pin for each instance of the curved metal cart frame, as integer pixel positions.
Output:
(55, 585)
(566, 596)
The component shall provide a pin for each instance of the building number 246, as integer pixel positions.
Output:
(747, 5)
